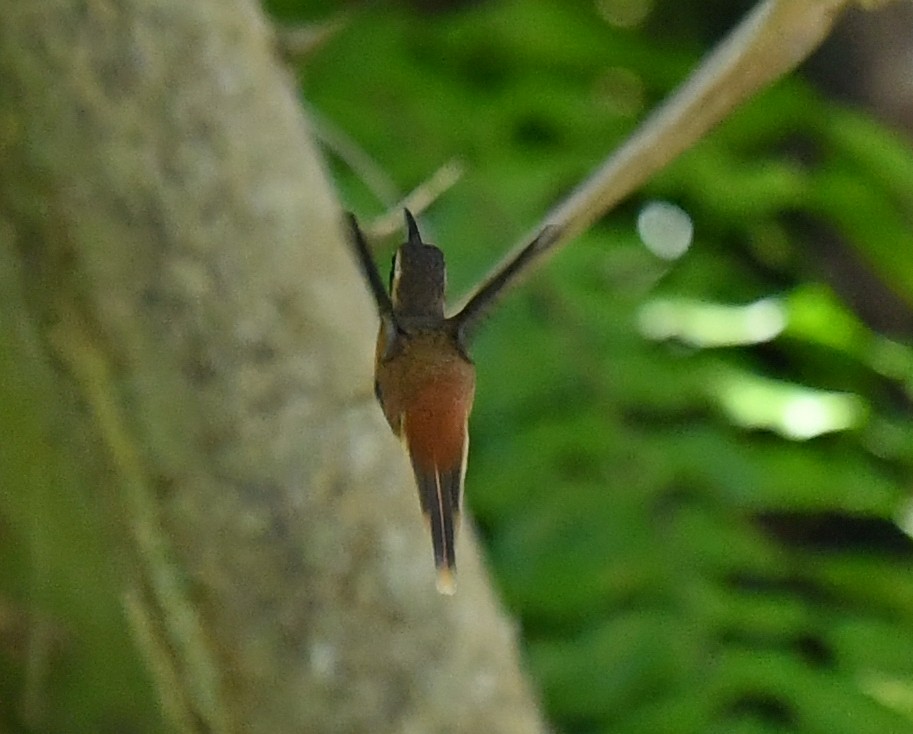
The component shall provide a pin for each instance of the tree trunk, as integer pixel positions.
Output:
(188, 430)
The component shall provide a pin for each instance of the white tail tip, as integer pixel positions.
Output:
(446, 583)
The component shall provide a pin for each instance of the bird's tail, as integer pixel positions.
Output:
(440, 490)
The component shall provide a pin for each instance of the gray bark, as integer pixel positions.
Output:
(188, 430)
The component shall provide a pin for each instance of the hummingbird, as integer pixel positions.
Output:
(424, 378)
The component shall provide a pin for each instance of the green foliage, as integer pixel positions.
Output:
(679, 559)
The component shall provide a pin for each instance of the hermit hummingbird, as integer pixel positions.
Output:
(424, 378)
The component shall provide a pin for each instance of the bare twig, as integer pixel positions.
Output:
(299, 43)
(355, 157)
(419, 199)
(772, 40)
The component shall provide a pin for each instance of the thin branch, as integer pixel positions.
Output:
(772, 40)
(419, 199)
(300, 43)
(371, 173)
